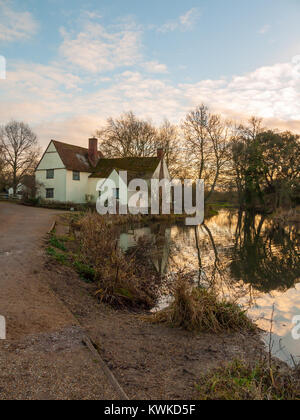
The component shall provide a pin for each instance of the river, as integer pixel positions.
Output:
(252, 259)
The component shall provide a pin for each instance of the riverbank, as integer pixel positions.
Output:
(149, 361)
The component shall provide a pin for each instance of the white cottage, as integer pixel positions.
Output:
(68, 173)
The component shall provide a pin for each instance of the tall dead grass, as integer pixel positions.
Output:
(198, 310)
(123, 280)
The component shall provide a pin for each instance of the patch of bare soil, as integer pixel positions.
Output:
(149, 361)
(51, 366)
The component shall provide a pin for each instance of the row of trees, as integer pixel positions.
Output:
(262, 166)
(200, 148)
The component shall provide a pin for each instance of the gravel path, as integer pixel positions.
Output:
(43, 356)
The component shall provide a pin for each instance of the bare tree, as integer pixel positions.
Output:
(19, 150)
(3, 171)
(249, 132)
(169, 140)
(208, 143)
(128, 136)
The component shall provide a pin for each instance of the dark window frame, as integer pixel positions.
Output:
(117, 193)
(50, 171)
(51, 195)
(76, 175)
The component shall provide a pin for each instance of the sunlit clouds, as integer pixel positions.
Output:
(102, 70)
(96, 50)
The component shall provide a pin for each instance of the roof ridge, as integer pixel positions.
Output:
(132, 157)
(68, 144)
(136, 165)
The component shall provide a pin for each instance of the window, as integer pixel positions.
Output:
(50, 173)
(117, 193)
(49, 192)
(76, 176)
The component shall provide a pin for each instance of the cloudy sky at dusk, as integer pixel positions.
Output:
(71, 64)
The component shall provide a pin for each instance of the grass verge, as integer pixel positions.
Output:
(242, 381)
(60, 258)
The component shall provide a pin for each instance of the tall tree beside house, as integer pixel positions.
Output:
(207, 137)
(20, 150)
(128, 136)
(4, 176)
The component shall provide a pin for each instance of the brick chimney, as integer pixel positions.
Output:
(93, 151)
(160, 153)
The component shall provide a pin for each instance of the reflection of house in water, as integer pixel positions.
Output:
(159, 236)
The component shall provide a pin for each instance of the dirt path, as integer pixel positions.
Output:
(43, 356)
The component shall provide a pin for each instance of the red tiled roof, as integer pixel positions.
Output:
(75, 158)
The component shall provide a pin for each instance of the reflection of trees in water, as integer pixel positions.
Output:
(215, 274)
(265, 254)
(263, 257)
(237, 256)
(216, 268)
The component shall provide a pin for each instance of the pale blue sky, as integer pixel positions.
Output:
(73, 65)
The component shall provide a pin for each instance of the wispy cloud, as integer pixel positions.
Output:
(92, 15)
(96, 50)
(189, 18)
(265, 29)
(15, 25)
(155, 67)
(185, 22)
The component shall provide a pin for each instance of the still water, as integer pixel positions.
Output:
(252, 259)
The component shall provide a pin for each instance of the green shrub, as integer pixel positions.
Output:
(31, 201)
(58, 205)
(57, 243)
(61, 258)
(85, 271)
